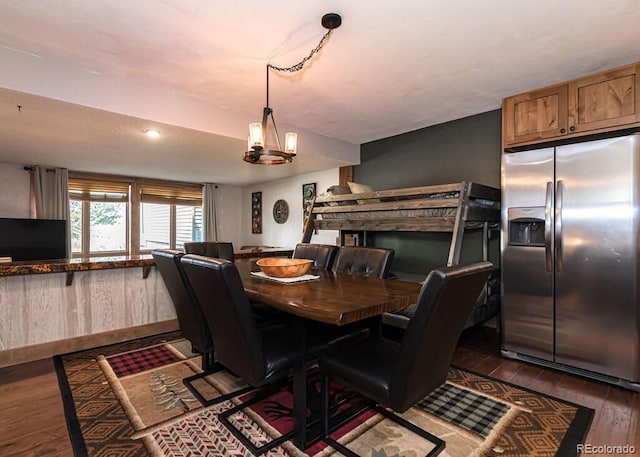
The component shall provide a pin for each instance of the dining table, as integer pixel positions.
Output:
(333, 298)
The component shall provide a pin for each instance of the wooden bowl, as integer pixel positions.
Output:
(284, 268)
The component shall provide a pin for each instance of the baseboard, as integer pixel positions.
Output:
(45, 350)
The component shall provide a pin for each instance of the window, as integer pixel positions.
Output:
(75, 210)
(99, 217)
(104, 212)
(189, 224)
(155, 226)
(169, 216)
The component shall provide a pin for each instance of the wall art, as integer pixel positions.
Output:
(256, 212)
(308, 195)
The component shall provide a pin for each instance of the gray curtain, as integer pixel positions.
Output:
(50, 196)
(209, 193)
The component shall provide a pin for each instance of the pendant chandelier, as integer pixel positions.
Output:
(258, 152)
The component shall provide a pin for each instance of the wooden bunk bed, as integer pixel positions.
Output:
(454, 208)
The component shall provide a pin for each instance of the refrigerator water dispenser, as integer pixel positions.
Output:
(526, 226)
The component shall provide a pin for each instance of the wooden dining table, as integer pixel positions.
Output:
(333, 298)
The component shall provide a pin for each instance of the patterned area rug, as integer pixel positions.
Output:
(128, 400)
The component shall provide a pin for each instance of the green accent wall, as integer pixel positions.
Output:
(466, 149)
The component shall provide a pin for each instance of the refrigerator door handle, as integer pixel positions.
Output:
(558, 218)
(547, 226)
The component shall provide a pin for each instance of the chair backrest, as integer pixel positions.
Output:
(215, 249)
(219, 290)
(321, 254)
(190, 317)
(444, 304)
(364, 261)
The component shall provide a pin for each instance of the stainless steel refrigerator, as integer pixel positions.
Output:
(569, 248)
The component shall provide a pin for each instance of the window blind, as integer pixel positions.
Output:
(96, 190)
(178, 194)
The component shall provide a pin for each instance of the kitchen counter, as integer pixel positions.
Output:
(29, 267)
(54, 307)
(57, 306)
(69, 266)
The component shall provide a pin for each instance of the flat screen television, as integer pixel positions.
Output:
(33, 239)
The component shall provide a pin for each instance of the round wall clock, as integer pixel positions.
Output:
(280, 211)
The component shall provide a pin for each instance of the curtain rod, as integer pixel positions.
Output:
(32, 168)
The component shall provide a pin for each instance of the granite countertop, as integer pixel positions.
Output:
(29, 267)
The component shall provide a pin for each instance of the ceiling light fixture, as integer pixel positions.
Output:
(258, 151)
(152, 133)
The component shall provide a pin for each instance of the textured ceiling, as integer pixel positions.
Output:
(197, 67)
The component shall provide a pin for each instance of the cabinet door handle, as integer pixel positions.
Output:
(563, 130)
(572, 128)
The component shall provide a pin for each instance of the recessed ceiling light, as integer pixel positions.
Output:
(152, 133)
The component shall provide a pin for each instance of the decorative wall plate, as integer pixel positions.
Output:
(280, 211)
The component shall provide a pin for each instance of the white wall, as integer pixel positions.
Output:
(14, 191)
(228, 209)
(289, 234)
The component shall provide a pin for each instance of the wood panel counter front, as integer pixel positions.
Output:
(53, 307)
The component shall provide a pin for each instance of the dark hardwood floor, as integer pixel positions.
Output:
(32, 419)
(31, 416)
(617, 410)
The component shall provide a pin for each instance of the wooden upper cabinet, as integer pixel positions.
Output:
(535, 115)
(609, 99)
(598, 103)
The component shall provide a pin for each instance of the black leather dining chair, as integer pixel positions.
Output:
(215, 249)
(361, 261)
(190, 318)
(364, 261)
(322, 255)
(398, 375)
(258, 355)
(193, 324)
(224, 250)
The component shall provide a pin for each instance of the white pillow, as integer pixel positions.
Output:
(357, 188)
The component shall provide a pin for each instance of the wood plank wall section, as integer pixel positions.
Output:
(38, 309)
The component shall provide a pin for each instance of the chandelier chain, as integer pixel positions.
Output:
(299, 65)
